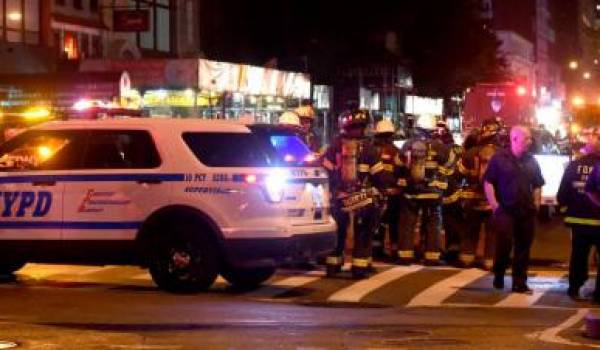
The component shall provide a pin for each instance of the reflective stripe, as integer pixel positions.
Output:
(463, 170)
(334, 260)
(438, 184)
(467, 258)
(398, 161)
(432, 256)
(363, 168)
(582, 221)
(327, 164)
(377, 168)
(445, 171)
(451, 159)
(470, 194)
(563, 209)
(431, 165)
(452, 198)
(423, 196)
(406, 254)
(402, 182)
(360, 262)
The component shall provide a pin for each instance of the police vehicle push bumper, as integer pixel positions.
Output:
(273, 246)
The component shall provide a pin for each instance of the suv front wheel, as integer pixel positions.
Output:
(184, 261)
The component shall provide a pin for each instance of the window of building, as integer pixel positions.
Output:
(94, 5)
(71, 46)
(96, 47)
(158, 37)
(85, 45)
(60, 2)
(78, 4)
(20, 21)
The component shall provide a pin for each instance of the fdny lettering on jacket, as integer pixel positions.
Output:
(20, 204)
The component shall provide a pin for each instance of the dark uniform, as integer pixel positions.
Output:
(423, 185)
(514, 180)
(583, 217)
(349, 161)
(477, 209)
(386, 172)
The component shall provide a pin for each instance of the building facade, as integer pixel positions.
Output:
(38, 36)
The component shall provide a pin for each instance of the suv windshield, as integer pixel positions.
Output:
(259, 149)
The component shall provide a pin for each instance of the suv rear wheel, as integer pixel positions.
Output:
(184, 261)
(248, 278)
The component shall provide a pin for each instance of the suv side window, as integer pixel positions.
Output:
(216, 149)
(43, 150)
(121, 149)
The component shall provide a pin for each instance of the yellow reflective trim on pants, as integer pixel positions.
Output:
(432, 256)
(463, 170)
(334, 260)
(582, 221)
(563, 209)
(406, 254)
(469, 194)
(438, 184)
(445, 171)
(423, 196)
(467, 258)
(451, 160)
(452, 198)
(360, 262)
(398, 161)
(363, 168)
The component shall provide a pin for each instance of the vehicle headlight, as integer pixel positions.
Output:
(275, 185)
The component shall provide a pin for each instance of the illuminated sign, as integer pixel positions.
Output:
(131, 20)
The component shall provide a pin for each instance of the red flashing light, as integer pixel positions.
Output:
(521, 90)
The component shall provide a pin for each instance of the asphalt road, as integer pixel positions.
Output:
(90, 307)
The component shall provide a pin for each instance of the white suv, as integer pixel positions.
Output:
(187, 198)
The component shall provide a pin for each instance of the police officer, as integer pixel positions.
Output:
(349, 161)
(582, 216)
(477, 238)
(385, 174)
(423, 187)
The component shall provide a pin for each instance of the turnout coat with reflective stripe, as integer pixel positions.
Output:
(571, 193)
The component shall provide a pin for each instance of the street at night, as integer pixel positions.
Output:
(74, 307)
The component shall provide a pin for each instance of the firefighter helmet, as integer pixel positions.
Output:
(289, 118)
(490, 127)
(353, 118)
(305, 112)
(384, 127)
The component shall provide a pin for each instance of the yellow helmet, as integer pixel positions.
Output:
(384, 127)
(289, 118)
(305, 112)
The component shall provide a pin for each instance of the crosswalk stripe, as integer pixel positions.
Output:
(540, 283)
(438, 292)
(282, 286)
(358, 290)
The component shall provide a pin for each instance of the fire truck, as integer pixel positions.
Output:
(509, 102)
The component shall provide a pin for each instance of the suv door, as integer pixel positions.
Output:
(33, 166)
(120, 186)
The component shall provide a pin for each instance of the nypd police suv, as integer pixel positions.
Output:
(188, 199)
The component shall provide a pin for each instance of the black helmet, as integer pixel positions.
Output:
(353, 118)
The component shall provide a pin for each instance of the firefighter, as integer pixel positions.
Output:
(477, 242)
(307, 118)
(385, 174)
(582, 216)
(423, 187)
(349, 161)
(452, 211)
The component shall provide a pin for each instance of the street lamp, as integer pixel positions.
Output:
(573, 65)
(578, 101)
(587, 75)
